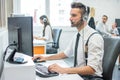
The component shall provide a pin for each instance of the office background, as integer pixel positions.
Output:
(108, 7)
(61, 15)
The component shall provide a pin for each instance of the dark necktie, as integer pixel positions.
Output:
(76, 47)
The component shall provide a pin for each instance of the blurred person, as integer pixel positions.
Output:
(114, 30)
(102, 26)
(47, 30)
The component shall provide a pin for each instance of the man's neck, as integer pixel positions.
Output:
(81, 27)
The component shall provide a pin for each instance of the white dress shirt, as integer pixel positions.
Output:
(48, 34)
(115, 31)
(103, 28)
(95, 49)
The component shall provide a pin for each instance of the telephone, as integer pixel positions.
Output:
(17, 60)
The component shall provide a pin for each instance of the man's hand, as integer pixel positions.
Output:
(42, 58)
(56, 68)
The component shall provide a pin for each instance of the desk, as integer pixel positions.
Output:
(61, 76)
(20, 71)
(39, 47)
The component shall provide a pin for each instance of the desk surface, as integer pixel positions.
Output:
(20, 71)
(39, 42)
(61, 76)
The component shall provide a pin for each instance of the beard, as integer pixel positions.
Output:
(77, 24)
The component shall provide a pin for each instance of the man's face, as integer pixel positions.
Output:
(104, 19)
(75, 17)
(41, 21)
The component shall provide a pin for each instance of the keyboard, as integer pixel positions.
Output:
(43, 71)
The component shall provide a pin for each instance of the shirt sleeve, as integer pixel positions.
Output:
(69, 50)
(95, 52)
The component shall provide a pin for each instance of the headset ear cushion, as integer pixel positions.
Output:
(44, 20)
(85, 17)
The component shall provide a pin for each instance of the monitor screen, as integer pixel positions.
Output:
(118, 22)
(20, 31)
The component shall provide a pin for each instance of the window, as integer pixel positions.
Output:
(58, 11)
(34, 8)
(2, 13)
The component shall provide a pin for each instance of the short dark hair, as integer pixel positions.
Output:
(79, 5)
(105, 16)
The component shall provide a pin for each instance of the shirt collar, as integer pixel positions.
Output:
(83, 31)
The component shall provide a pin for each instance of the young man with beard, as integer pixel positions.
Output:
(93, 67)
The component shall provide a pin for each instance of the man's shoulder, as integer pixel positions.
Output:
(90, 30)
(93, 32)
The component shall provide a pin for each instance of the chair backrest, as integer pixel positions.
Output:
(111, 52)
(118, 30)
(56, 37)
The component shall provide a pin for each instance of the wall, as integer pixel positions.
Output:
(3, 30)
(3, 40)
(3, 45)
(107, 7)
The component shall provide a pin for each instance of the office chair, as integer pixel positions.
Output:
(111, 52)
(55, 44)
(118, 30)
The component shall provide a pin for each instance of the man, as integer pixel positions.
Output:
(114, 30)
(102, 27)
(95, 47)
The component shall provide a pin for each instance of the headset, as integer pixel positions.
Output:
(86, 14)
(44, 20)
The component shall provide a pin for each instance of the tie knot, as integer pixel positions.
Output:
(78, 35)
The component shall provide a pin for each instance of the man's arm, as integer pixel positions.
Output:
(85, 70)
(50, 57)
(56, 56)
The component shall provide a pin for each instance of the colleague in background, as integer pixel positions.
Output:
(114, 30)
(102, 26)
(93, 67)
(91, 21)
(47, 30)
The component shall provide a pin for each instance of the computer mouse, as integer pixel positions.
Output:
(36, 60)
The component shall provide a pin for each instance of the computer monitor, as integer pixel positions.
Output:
(20, 31)
(118, 22)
